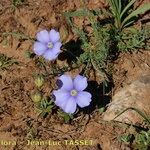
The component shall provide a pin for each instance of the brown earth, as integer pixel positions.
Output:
(19, 120)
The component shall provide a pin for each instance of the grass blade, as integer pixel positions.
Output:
(120, 7)
(127, 7)
(138, 11)
(130, 22)
(113, 7)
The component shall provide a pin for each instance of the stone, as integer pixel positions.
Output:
(135, 95)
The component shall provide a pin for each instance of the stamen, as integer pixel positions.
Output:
(73, 92)
(50, 45)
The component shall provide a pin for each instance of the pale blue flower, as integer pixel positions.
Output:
(48, 44)
(71, 93)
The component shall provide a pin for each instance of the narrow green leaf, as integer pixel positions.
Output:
(127, 7)
(130, 22)
(117, 9)
(138, 11)
(120, 7)
(116, 4)
(113, 7)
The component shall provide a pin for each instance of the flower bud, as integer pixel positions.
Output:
(36, 97)
(39, 81)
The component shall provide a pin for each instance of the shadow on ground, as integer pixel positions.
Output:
(99, 95)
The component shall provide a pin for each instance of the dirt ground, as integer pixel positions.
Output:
(19, 122)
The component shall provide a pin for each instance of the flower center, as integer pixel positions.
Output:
(50, 45)
(73, 92)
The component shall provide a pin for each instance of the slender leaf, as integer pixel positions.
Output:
(120, 7)
(116, 4)
(113, 7)
(127, 7)
(130, 22)
(138, 11)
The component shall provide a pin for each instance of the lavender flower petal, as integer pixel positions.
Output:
(50, 55)
(70, 106)
(61, 104)
(43, 36)
(83, 99)
(80, 83)
(57, 47)
(54, 36)
(67, 82)
(60, 97)
(39, 48)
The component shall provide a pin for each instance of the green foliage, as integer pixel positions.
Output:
(133, 39)
(17, 2)
(142, 140)
(44, 106)
(6, 62)
(96, 47)
(29, 54)
(101, 109)
(65, 116)
(121, 15)
(126, 138)
(105, 41)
